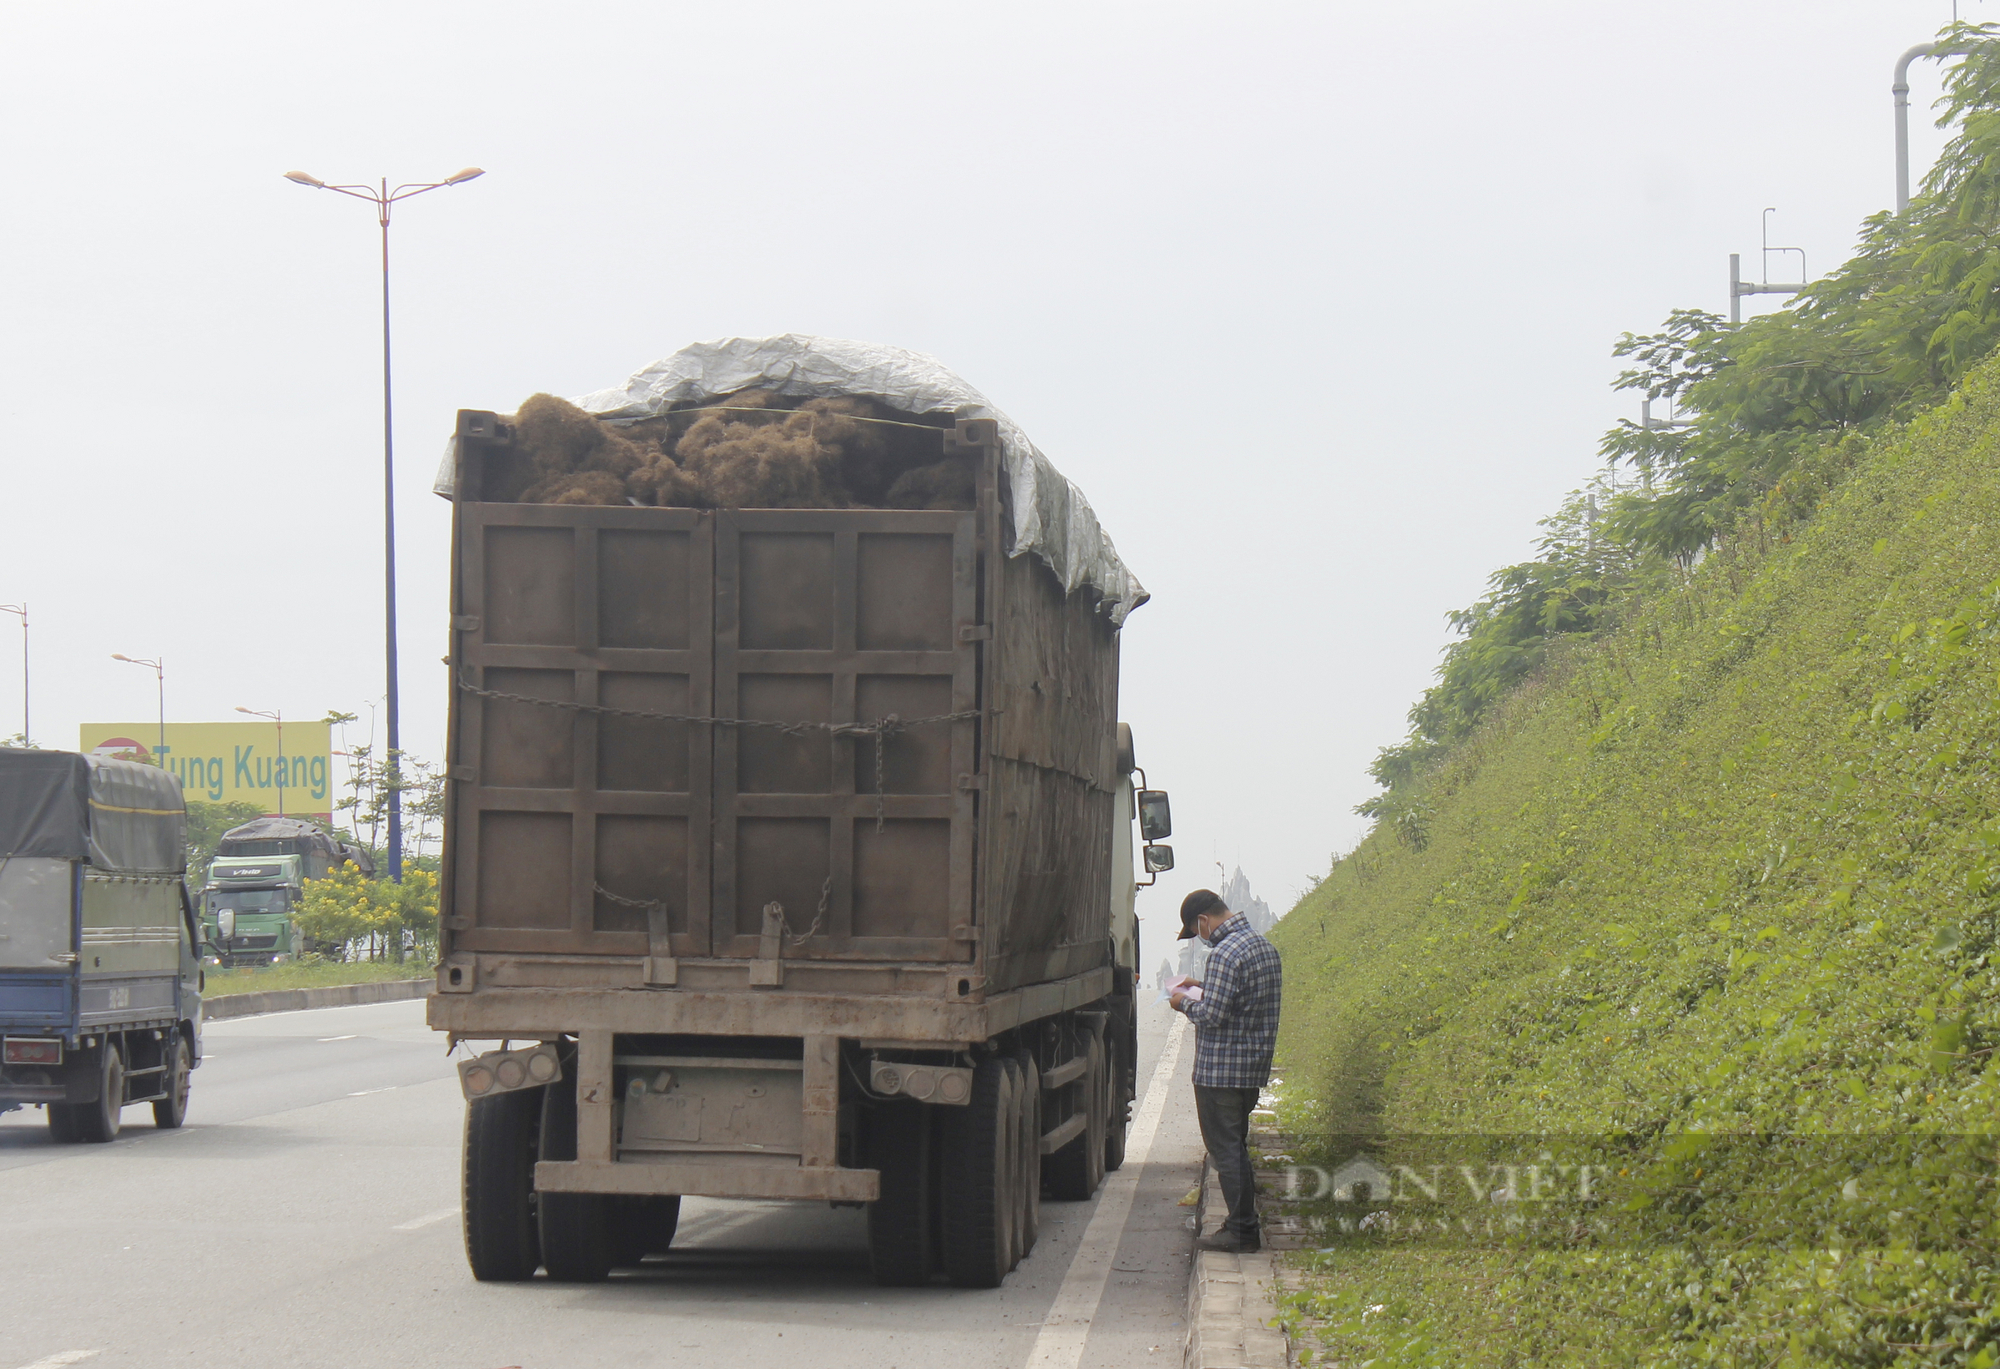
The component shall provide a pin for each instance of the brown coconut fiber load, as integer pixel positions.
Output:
(752, 449)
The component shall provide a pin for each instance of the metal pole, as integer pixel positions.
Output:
(160, 670)
(382, 198)
(283, 776)
(1901, 90)
(1736, 287)
(389, 562)
(21, 610)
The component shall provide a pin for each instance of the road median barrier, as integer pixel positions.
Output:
(329, 996)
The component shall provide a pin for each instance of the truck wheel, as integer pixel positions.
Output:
(642, 1225)
(899, 1221)
(977, 1190)
(576, 1227)
(62, 1123)
(171, 1111)
(99, 1121)
(501, 1241)
(1031, 1152)
(1017, 1162)
(1119, 1118)
(1077, 1169)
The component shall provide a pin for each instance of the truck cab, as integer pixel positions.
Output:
(258, 894)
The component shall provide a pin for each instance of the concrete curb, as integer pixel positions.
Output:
(1231, 1302)
(295, 1000)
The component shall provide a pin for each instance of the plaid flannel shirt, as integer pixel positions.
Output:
(1236, 1021)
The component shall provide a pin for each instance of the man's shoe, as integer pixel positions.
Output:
(1227, 1244)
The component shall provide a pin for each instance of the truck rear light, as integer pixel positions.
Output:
(505, 1071)
(30, 1050)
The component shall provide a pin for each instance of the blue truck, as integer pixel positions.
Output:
(100, 975)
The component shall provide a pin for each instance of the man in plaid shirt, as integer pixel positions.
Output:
(1235, 1021)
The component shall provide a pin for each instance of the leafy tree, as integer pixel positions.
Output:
(206, 824)
(1779, 409)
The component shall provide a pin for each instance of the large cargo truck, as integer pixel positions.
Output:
(256, 882)
(100, 981)
(787, 855)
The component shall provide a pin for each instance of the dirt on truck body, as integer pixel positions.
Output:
(797, 842)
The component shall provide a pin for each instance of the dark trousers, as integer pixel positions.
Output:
(1224, 1114)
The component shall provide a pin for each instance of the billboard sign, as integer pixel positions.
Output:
(232, 762)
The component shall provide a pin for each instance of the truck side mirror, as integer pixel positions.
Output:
(225, 923)
(1156, 819)
(1158, 859)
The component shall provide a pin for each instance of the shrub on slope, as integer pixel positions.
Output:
(1733, 868)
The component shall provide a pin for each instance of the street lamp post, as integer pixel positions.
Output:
(160, 673)
(22, 610)
(382, 198)
(277, 716)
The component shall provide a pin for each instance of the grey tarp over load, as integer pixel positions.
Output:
(115, 815)
(268, 836)
(1052, 519)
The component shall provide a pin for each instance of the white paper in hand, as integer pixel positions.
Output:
(1182, 985)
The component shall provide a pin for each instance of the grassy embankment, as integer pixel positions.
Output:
(294, 975)
(1731, 869)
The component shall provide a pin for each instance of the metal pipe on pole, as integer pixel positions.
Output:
(382, 198)
(1900, 90)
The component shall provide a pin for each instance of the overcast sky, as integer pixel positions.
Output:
(1314, 301)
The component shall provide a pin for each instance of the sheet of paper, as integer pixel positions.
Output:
(1181, 984)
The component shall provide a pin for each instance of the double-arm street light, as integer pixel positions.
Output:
(277, 716)
(160, 674)
(22, 609)
(382, 198)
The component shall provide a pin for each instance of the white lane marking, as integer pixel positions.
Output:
(427, 1219)
(351, 1036)
(57, 1361)
(363, 1093)
(1059, 1344)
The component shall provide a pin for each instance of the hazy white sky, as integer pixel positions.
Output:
(1314, 301)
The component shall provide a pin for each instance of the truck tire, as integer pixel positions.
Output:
(62, 1123)
(1077, 1169)
(575, 1227)
(978, 1192)
(502, 1243)
(99, 1121)
(169, 1112)
(1017, 1161)
(1031, 1152)
(1119, 1117)
(899, 1221)
(642, 1225)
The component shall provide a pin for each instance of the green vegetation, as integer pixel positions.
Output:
(349, 910)
(1781, 407)
(307, 973)
(1695, 851)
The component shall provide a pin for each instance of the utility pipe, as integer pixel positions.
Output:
(1901, 91)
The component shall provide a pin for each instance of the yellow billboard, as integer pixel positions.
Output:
(232, 762)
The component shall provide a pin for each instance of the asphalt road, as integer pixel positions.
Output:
(307, 1215)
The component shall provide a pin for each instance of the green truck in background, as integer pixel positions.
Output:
(255, 884)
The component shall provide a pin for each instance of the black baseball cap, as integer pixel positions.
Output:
(1194, 905)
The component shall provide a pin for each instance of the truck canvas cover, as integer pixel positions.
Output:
(1051, 518)
(115, 815)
